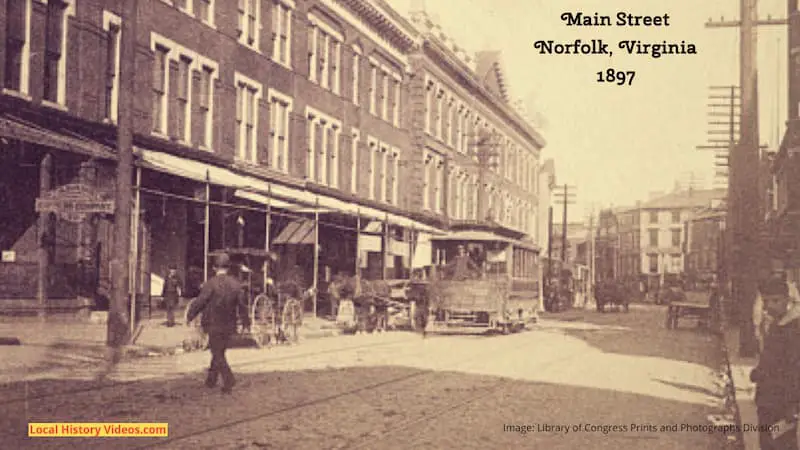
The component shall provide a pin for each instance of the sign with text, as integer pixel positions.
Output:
(73, 202)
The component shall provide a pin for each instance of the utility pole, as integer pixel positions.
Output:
(565, 198)
(590, 291)
(118, 333)
(743, 198)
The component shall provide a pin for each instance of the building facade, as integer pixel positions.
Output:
(249, 119)
(663, 222)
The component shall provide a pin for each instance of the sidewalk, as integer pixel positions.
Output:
(63, 341)
(744, 389)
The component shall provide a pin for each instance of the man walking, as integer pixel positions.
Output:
(776, 375)
(221, 297)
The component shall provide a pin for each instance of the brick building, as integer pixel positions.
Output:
(250, 119)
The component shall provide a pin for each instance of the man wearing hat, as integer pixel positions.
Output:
(221, 297)
(462, 266)
(171, 293)
(777, 375)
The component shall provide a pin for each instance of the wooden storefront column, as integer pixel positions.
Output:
(316, 253)
(45, 184)
(267, 228)
(206, 227)
(357, 273)
(133, 285)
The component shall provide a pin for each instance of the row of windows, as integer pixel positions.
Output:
(18, 53)
(463, 191)
(672, 264)
(448, 119)
(675, 216)
(654, 241)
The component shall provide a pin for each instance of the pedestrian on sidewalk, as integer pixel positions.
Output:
(777, 375)
(220, 299)
(171, 293)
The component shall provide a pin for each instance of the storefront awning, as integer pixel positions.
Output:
(483, 236)
(264, 200)
(296, 232)
(260, 190)
(12, 127)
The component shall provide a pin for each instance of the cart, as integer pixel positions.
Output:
(251, 266)
(376, 306)
(278, 313)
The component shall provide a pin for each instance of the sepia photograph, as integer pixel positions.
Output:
(400, 224)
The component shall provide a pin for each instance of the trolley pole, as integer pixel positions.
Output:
(118, 333)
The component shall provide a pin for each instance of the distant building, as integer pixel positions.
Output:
(663, 223)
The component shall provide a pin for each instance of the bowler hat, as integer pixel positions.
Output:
(222, 260)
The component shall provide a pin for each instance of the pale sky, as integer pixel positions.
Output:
(616, 144)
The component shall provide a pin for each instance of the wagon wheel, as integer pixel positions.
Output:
(292, 318)
(197, 338)
(262, 320)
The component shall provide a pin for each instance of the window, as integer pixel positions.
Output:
(356, 73)
(282, 32)
(354, 161)
(373, 87)
(373, 150)
(383, 180)
(676, 217)
(280, 106)
(205, 11)
(248, 94)
(652, 262)
(54, 81)
(205, 107)
(427, 178)
(111, 24)
(323, 149)
(653, 238)
(437, 118)
(394, 198)
(653, 216)
(160, 77)
(676, 238)
(17, 45)
(439, 186)
(385, 96)
(182, 121)
(429, 92)
(249, 23)
(324, 54)
(396, 102)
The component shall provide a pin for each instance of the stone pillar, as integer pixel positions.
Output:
(45, 238)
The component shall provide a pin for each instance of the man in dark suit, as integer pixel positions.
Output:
(220, 299)
(777, 375)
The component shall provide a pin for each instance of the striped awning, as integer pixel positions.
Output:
(296, 232)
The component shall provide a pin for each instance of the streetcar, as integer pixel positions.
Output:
(498, 291)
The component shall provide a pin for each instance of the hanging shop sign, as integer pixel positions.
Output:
(73, 202)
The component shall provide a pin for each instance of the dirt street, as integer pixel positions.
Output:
(579, 379)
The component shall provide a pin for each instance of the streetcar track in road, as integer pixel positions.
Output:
(371, 439)
(103, 387)
(297, 406)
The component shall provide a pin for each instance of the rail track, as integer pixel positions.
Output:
(372, 439)
(96, 386)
